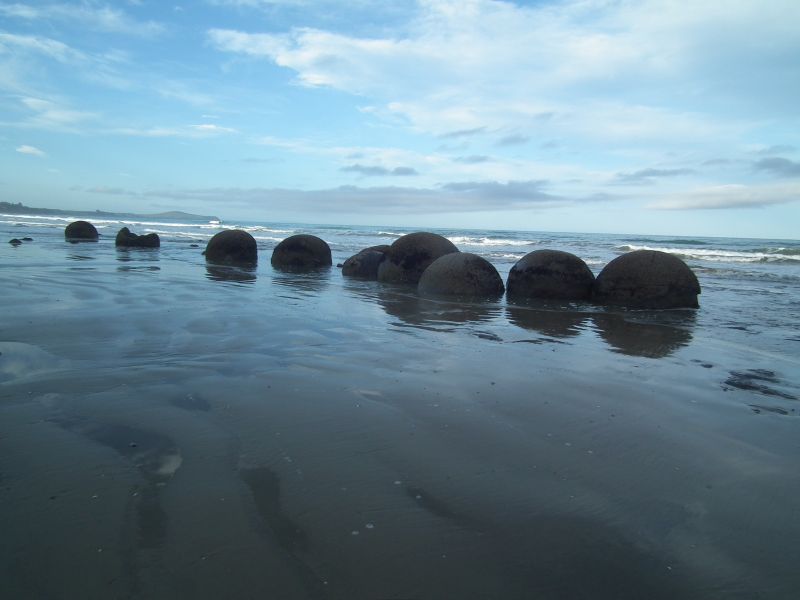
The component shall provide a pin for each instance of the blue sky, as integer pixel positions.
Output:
(653, 116)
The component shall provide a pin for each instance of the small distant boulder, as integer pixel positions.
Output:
(27, 239)
(647, 279)
(410, 255)
(232, 246)
(365, 264)
(550, 275)
(130, 240)
(302, 252)
(461, 274)
(15, 242)
(80, 230)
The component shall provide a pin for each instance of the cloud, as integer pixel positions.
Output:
(254, 44)
(212, 128)
(204, 130)
(513, 140)
(374, 171)
(780, 167)
(729, 197)
(473, 159)
(31, 151)
(462, 65)
(47, 114)
(20, 11)
(777, 149)
(462, 133)
(176, 90)
(646, 176)
(378, 200)
(510, 193)
(88, 15)
(40, 45)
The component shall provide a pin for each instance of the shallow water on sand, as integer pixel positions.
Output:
(169, 429)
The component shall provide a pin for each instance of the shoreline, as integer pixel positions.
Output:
(173, 434)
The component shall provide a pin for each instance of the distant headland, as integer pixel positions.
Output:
(21, 209)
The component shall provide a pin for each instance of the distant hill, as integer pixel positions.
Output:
(20, 209)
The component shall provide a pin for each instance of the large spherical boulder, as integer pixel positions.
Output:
(302, 252)
(365, 264)
(647, 279)
(127, 239)
(80, 230)
(550, 275)
(232, 246)
(461, 274)
(410, 255)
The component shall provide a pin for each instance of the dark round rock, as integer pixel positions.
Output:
(410, 255)
(80, 230)
(232, 246)
(647, 279)
(302, 252)
(131, 240)
(461, 274)
(365, 264)
(550, 275)
(14, 242)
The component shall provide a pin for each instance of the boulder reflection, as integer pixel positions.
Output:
(553, 320)
(231, 273)
(135, 255)
(306, 281)
(650, 334)
(403, 303)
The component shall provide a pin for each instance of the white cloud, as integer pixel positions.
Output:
(203, 130)
(47, 114)
(89, 15)
(212, 128)
(40, 45)
(651, 68)
(20, 11)
(31, 151)
(730, 196)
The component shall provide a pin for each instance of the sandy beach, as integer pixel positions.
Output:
(169, 430)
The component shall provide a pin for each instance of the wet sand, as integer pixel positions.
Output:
(173, 431)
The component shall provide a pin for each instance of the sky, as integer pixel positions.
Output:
(616, 116)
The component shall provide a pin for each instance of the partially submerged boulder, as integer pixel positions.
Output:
(15, 242)
(461, 274)
(80, 231)
(647, 279)
(410, 255)
(365, 264)
(232, 246)
(125, 238)
(550, 275)
(302, 252)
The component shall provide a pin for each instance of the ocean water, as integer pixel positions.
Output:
(173, 429)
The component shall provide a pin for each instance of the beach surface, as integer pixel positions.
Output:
(174, 430)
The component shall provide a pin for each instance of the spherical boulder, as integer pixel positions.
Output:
(550, 275)
(232, 246)
(647, 279)
(410, 255)
(80, 230)
(365, 264)
(302, 252)
(125, 238)
(461, 274)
